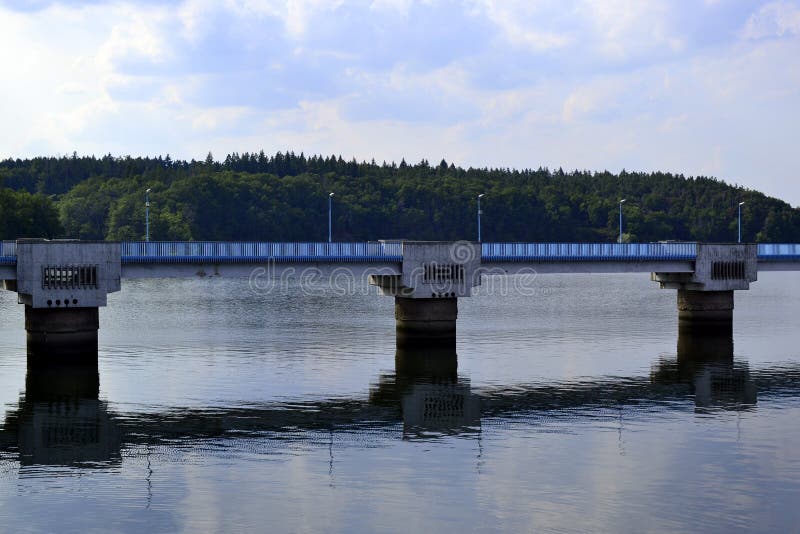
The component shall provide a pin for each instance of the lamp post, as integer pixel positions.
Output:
(620, 218)
(740, 221)
(330, 210)
(480, 212)
(147, 215)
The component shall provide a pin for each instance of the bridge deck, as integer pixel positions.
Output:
(544, 257)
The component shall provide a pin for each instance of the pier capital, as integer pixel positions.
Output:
(434, 269)
(717, 267)
(66, 273)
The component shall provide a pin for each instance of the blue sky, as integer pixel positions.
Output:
(708, 87)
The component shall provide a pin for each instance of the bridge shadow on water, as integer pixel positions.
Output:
(61, 421)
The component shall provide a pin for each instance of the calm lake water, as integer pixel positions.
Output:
(217, 408)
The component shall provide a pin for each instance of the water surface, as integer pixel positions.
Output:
(574, 408)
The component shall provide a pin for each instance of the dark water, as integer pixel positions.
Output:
(577, 408)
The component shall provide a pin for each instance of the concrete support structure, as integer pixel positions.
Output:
(63, 333)
(705, 307)
(62, 284)
(705, 296)
(433, 275)
(425, 322)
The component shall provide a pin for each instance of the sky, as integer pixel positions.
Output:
(707, 87)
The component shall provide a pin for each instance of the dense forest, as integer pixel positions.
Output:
(285, 198)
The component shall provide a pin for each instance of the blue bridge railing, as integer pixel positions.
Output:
(8, 252)
(588, 251)
(233, 252)
(193, 251)
(779, 252)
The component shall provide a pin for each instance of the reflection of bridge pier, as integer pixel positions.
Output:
(432, 397)
(705, 362)
(60, 419)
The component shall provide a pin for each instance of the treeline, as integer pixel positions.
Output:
(284, 197)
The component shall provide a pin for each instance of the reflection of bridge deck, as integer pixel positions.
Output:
(66, 429)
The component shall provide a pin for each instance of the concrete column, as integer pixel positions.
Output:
(426, 322)
(705, 309)
(62, 332)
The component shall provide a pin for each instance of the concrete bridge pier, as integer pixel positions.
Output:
(434, 274)
(426, 322)
(705, 307)
(705, 296)
(62, 285)
(62, 332)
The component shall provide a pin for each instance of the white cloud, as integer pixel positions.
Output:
(139, 35)
(592, 100)
(196, 18)
(775, 19)
(674, 123)
(53, 82)
(217, 119)
(520, 23)
(398, 6)
(300, 12)
(627, 28)
(578, 84)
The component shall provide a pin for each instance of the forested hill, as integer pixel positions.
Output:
(285, 198)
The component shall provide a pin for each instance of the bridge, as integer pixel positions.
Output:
(163, 259)
(63, 283)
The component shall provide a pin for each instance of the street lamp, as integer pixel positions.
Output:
(330, 209)
(147, 215)
(740, 221)
(620, 218)
(480, 211)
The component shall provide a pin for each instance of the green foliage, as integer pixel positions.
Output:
(23, 214)
(285, 198)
